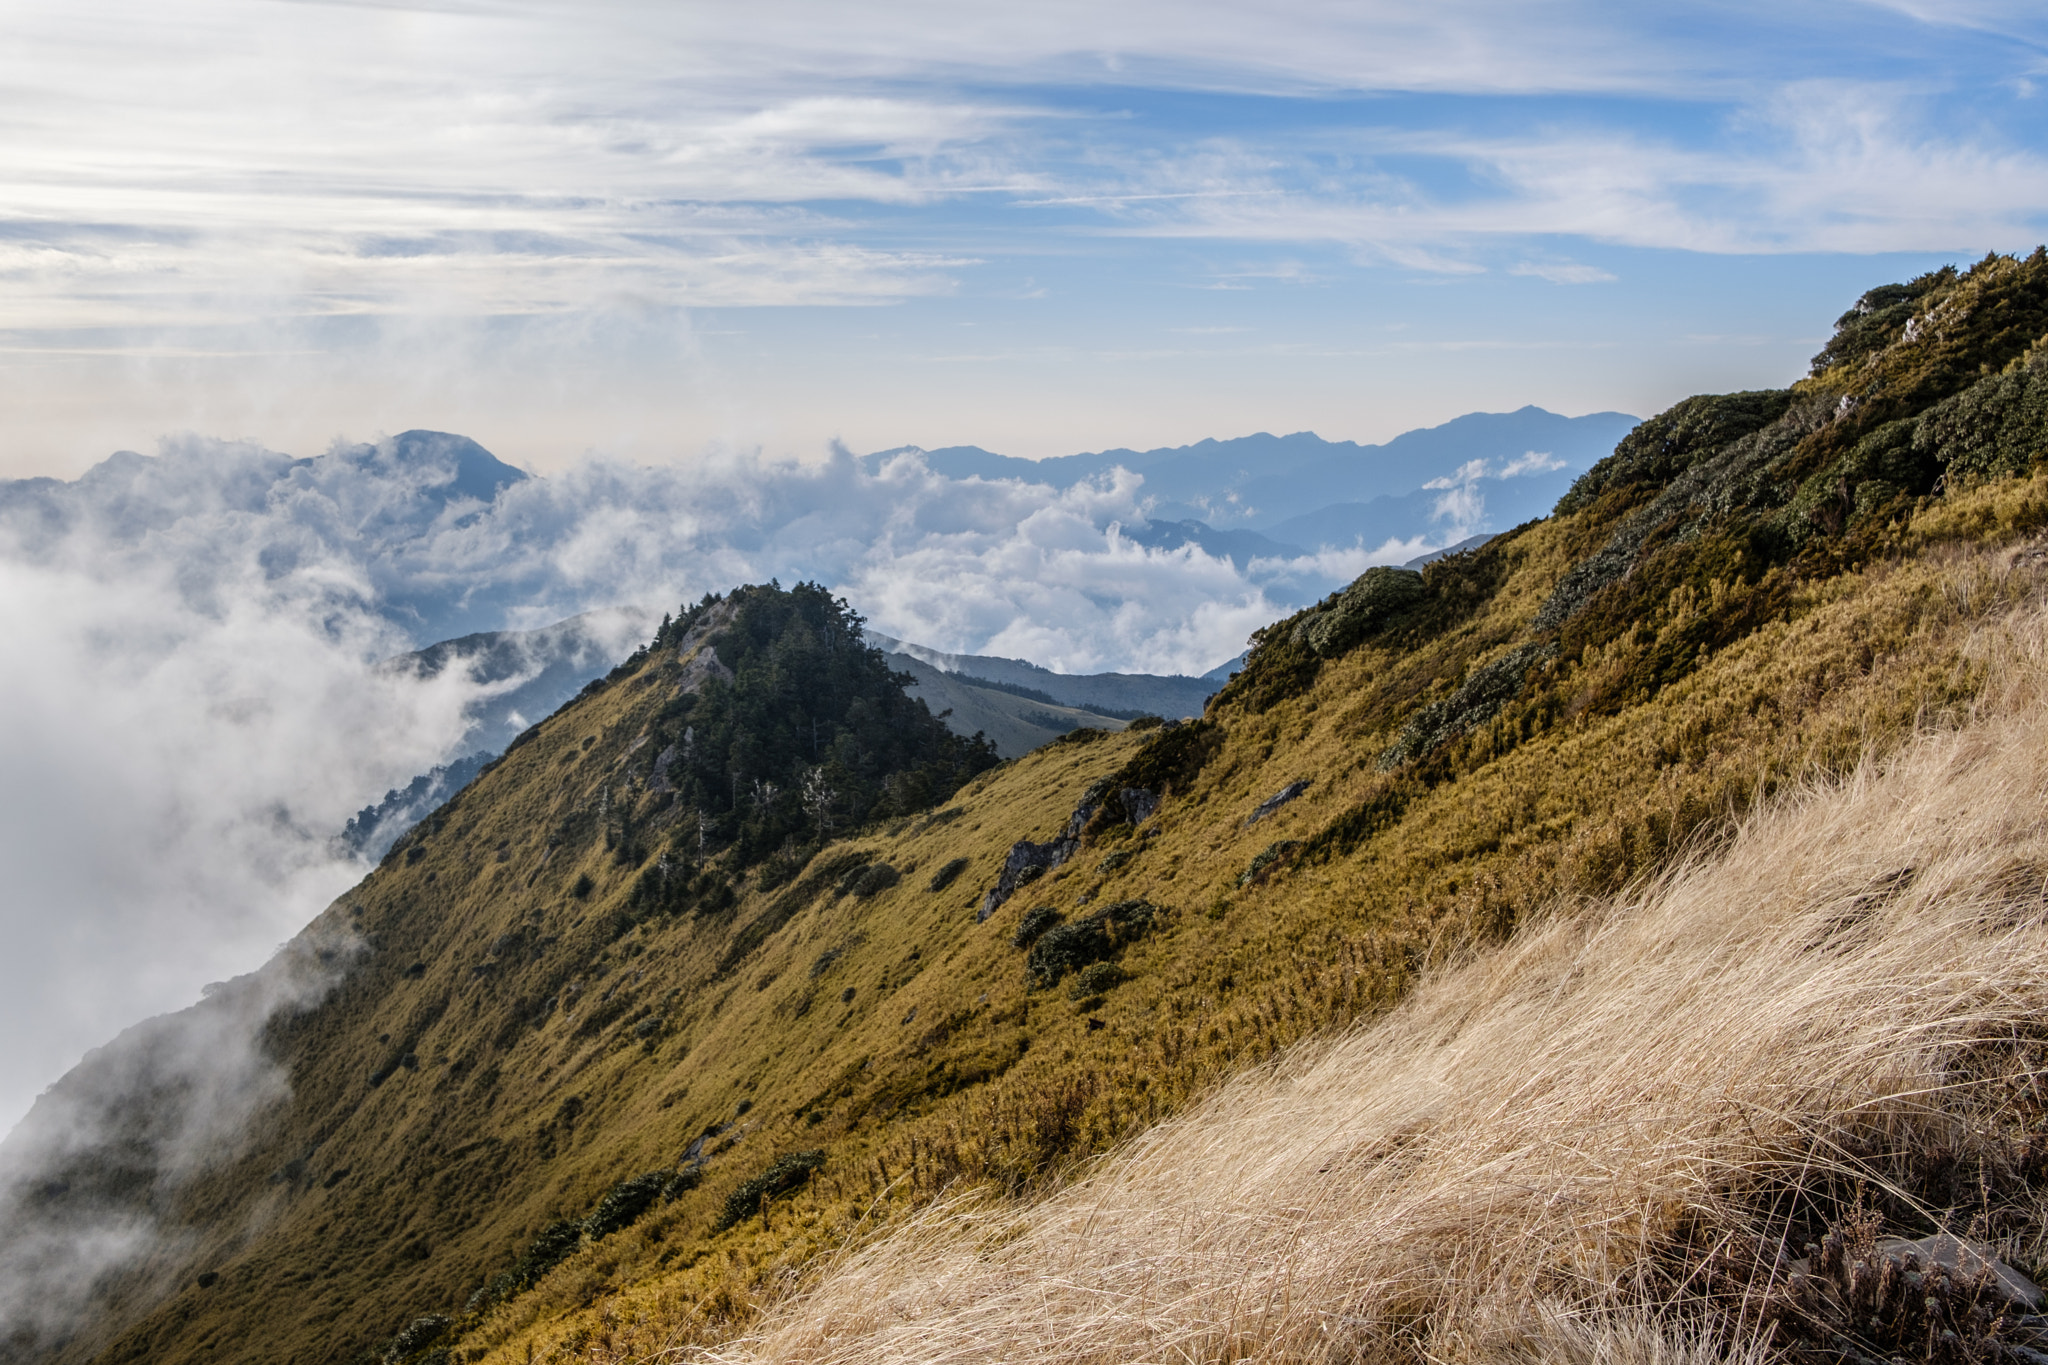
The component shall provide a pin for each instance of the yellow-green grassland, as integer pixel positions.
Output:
(603, 1079)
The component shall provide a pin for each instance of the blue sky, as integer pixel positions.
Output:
(651, 230)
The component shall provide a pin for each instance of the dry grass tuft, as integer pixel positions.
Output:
(1589, 1145)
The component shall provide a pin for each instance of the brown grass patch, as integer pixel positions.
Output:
(1539, 1155)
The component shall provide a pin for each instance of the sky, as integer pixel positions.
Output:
(655, 230)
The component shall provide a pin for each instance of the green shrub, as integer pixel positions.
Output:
(1094, 979)
(1358, 823)
(786, 1174)
(551, 1246)
(1277, 666)
(625, 1202)
(947, 875)
(1267, 857)
(1115, 861)
(1172, 758)
(1069, 947)
(1658, 451)
(1035, 922)
(1373, 600)
(583, 887)
(872, 880)
(417, 1336)
(846, 868)
(1484, 692)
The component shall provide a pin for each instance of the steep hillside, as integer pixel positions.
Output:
(623, 1054)
(525, 674)
(1698, 1122)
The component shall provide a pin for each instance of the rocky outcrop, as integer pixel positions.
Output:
(1275, 802)
(1027, 861)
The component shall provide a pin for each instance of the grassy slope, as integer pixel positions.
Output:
(1589, 1143)
(408, 1194)
(1239, 974)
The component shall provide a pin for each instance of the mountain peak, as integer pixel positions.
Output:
(478, 473)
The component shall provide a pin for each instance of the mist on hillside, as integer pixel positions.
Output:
(193, 704)
(196, 700)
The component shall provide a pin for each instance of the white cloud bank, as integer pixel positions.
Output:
(189, 706)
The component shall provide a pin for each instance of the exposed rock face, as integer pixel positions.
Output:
(1027, 862)
(701, 666)
(1139, 803)
(1275, 802)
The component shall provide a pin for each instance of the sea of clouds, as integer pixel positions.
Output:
(192, 702)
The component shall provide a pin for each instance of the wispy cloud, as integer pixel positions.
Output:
(1563, 272)
(1531, 462)
(240, 158)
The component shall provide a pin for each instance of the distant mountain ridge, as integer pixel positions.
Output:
(1157, 694)
(1262, 481)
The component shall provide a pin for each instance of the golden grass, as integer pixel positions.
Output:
(1510, 1165)
(1238, 976)
(944, 1071)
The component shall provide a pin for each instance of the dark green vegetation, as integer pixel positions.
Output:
(1061, 948)
(752, 1196)
(692, 969)
(800, 731)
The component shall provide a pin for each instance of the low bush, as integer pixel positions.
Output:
(1373, 600)
(1484, 692)
(1094, 979)
(1035, 922)
(417, 1335)
(947, 875)
(1069, 947)
(783, 1176)
(1268, 858)
(551, 1246)
(872, 880)
(625, 1202)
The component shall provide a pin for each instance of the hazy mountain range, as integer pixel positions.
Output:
(1301, 492)
(432, 534)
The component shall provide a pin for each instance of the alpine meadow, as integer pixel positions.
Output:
(1625, 940)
